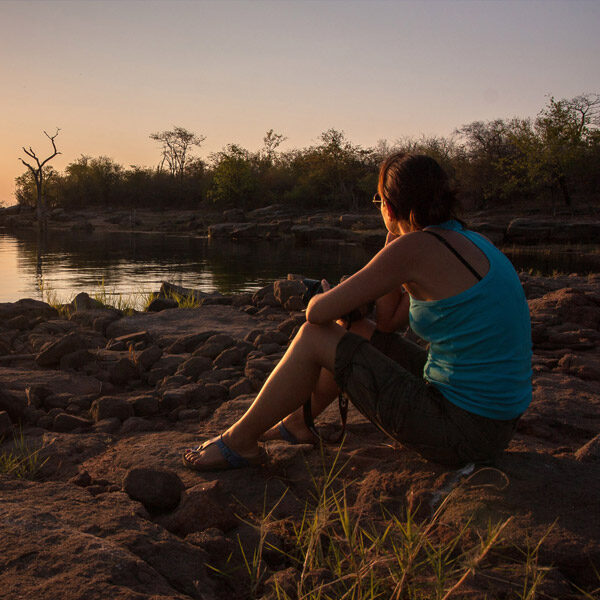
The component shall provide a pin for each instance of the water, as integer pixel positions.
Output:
(67, 263)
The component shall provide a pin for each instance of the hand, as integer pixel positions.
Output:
(325, 285)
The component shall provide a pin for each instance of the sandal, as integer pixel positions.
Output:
(230, 459)
(287, 436)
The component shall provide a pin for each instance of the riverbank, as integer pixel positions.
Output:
(102, 405)
(535, 223)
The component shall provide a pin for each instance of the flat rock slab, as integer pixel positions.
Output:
(57, 381)
(58, 541)
(169, 325)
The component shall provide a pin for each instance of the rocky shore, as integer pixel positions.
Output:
(277, 221)
(104, 404)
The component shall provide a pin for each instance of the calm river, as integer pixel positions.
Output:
(66, 263)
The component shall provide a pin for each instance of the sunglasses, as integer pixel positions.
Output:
(377, 199)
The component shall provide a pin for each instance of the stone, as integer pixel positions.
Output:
(36, 395)
(289, 325)
(111, 425)
(111, 407)
(5, 424)
(156, 489)
(589, 451)
(214, 345)
(294, 303)
(202, 506)
(229, 357)
(61, 401)
(75, 360)
(148, 357)
(83, 302)
(242, 387)
(284, 289)
(13, 405)
(195, 366)
(19, 322)
(271, 337)
(135, 424)
(145, 406)
(271, 348)
(65, 422)
(123, 371)
(174, 399)
(161, 303)
(51, 354)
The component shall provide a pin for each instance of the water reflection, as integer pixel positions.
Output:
(70, 262)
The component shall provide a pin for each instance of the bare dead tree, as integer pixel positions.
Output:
(38, 174)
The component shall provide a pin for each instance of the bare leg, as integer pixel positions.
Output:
(325, 392)
(286, 389)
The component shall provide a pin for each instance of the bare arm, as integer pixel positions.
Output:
(384, 274)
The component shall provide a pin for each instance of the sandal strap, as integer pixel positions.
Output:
(231, 456)
(286, 434)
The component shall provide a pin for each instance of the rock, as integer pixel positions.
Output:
(190, 342)
(271, 337)
(65, 422)
(289, 325)
(585, 367)
(75, 360)
(60, 401)
(165, 366)
(189, 414)
(51, 354)
(5, 424)
(145, 406)
(174, 399)
(83, 302)
(19, 322)
(148, 357)
(227, 358)
(111, 425)
(194, 366)
(214, 345)
(36, 395)
(242, 387)
(202, 506)
(284, 289)
(156, 489)
(589, 451)
(294, 303)
(111, 407)
(123, 371)
(28, 308)
(13, 405)
(271, 348)
(234, 215)
(135, 424)
(161, 303)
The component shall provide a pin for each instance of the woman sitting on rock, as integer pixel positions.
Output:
(458, 402)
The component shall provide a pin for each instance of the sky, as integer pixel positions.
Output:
(109, 73)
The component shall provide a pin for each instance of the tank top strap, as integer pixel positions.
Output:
(455, 252)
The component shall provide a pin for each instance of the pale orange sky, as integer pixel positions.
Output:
(110, 73)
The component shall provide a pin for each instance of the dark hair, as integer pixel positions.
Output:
(417, 190)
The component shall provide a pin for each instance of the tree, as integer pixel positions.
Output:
(175, 147)
(39, 174)
(271, 142)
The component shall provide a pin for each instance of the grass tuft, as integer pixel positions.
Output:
(22, 461)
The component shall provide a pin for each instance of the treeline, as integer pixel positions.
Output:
(555, 155)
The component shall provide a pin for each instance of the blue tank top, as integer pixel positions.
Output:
(480, 340)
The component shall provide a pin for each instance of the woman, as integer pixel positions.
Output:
(457, 403)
